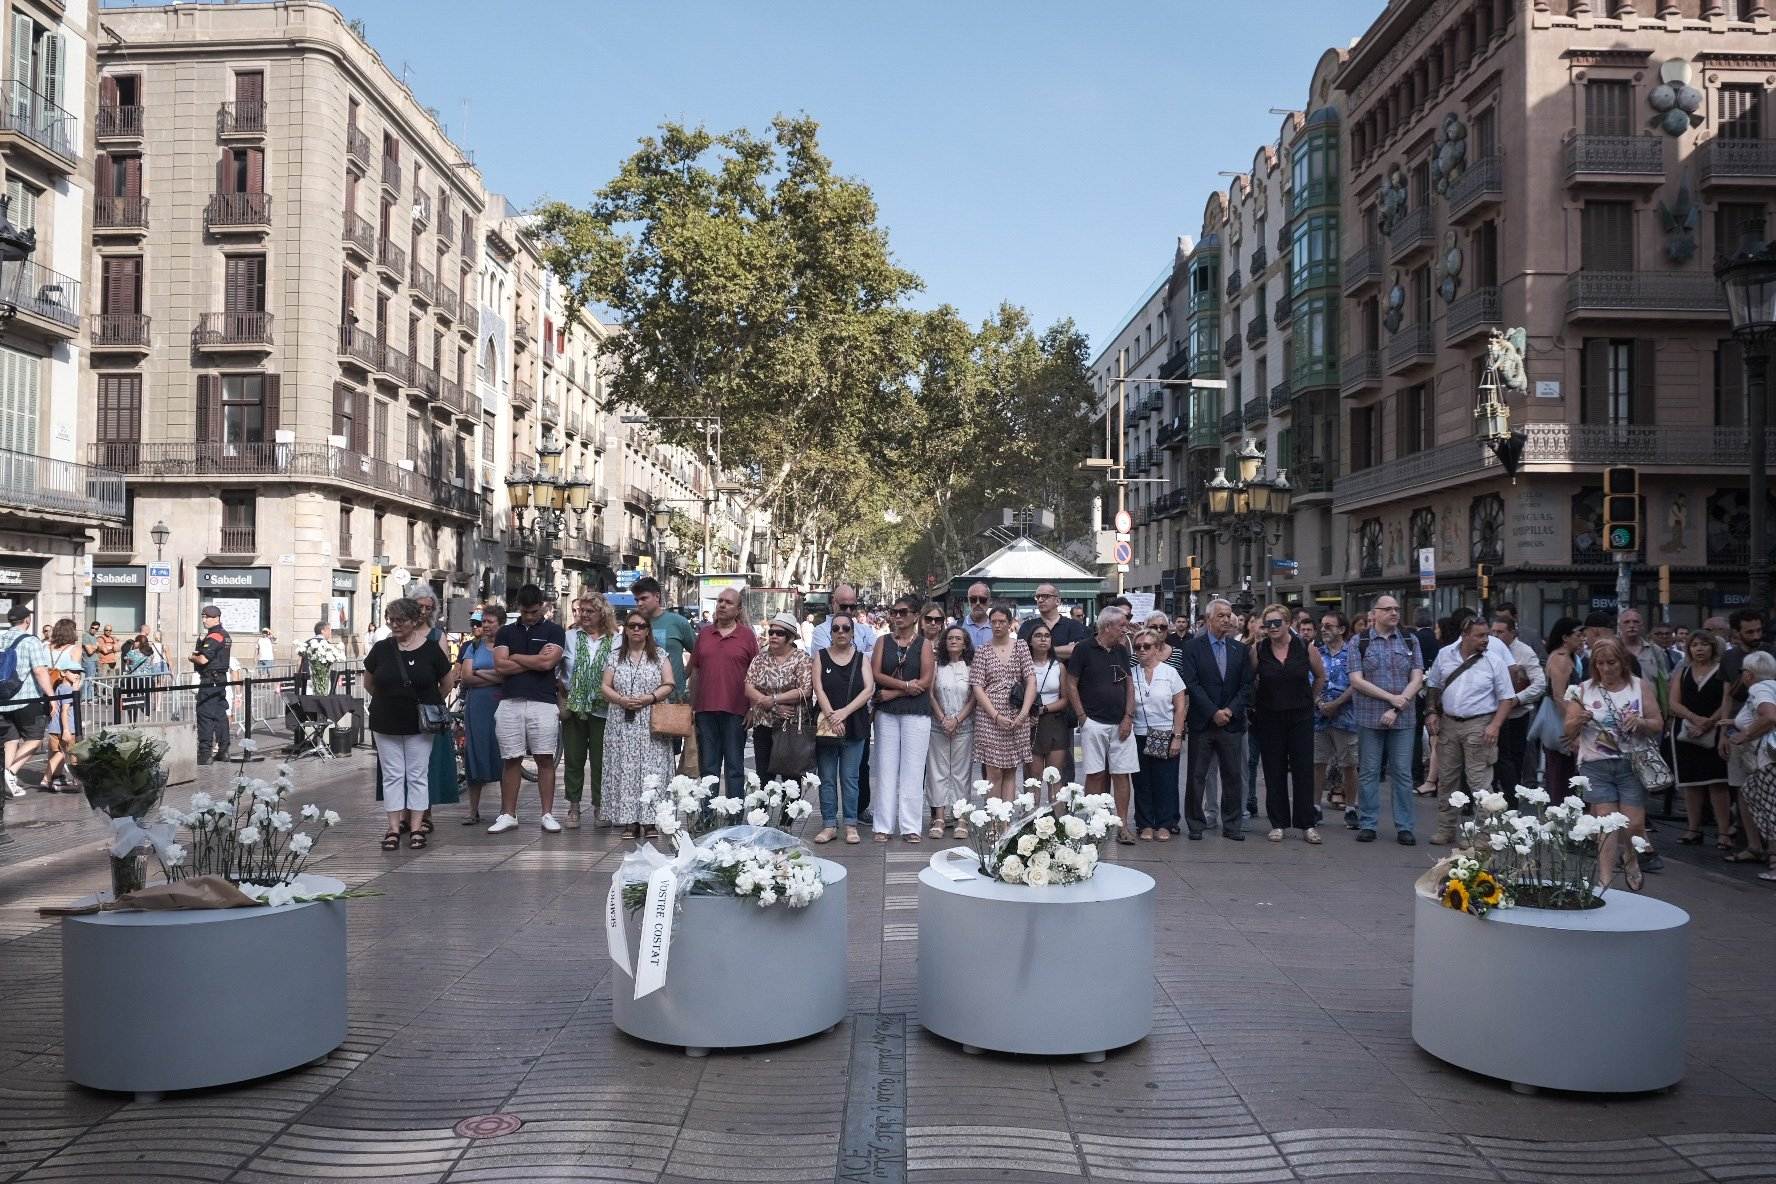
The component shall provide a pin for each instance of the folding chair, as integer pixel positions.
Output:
(308, 729)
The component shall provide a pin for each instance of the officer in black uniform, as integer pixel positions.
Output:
(211, 660)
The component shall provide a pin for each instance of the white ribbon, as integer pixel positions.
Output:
(128, 835)
(948, 864)
(616, 934)
(667, 879)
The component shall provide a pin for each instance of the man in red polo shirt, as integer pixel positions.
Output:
(717, 671)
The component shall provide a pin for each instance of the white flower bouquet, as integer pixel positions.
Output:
(1019, 842)
(1543, 859)
(732, 846)
(248, 836)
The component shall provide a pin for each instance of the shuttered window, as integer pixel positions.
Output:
(244, 419)
(1608, 108)
(1411, 420)
(120, 408)
(120, 286)
(1616, 382)
(379, 434)
(249, 86)
(118, 176)
(20, 420)
(1607, 236)
(1740, 107)
(1731, 221)
(21, 204)
(242, 170)
(351, 410)
(244, 289)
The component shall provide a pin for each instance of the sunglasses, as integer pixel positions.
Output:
(1141, 649)
(636, 625)
(1047, 596)
(779, 633)
(897, 612)
(835, 629)
(1273, 623)
(934, 620)
(977, 600)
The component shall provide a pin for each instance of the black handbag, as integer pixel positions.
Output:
(433, 717)
(792, 749)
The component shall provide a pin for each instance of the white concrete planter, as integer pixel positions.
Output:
(156, 1001)
(1056, 971)
(740, 975)
(1593, 1001)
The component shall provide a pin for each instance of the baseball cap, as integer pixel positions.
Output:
(475, 616)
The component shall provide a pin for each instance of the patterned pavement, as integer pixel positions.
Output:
(1281, 1048)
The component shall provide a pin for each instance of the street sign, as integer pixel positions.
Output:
(1125, 554)
(1125, 522)
(1286, 564)
(400, 577)
(160, 577)
(1122, 569)
(1123, 536)
(1427, 569)
(626, 579)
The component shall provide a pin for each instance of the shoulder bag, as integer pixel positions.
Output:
(670, 719)
(1436, 693)
(1156, 744)
(433, 717)
(1648, 762)
(792, 748)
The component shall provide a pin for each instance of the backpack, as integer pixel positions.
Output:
(10, 682)
(1363, 648)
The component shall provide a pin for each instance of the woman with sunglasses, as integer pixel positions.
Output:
(779, 683)
(1160, 710)
(480, 683)
(949, 762)
(1004, 685)
(1290, 680)
(637, 677)
(903, 668)
(1053, 734)
(843, 691)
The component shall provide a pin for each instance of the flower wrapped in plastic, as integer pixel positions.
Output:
(1018, 842)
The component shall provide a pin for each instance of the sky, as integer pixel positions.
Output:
(1040, 152)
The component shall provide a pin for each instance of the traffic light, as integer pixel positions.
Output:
(1664, 583)
(1196, 576)
(1483, 577)
(375, 580)
(1621, 508)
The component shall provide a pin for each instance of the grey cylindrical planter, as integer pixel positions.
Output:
(156, 1001)
(1516, 994)
(739, 975)
(1054, 971)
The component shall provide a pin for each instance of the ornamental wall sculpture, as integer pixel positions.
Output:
(1677, 106)
(1449, 159)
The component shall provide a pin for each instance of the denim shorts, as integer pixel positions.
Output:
(1613, 783)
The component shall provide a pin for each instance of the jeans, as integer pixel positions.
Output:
(582, 740)
(721, 741)
(840, 766)
(1156, 792)
(1375, 747)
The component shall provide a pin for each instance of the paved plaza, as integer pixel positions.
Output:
(1281, 1047)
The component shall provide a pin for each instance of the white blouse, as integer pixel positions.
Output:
(1048, 680)
(1153, 698)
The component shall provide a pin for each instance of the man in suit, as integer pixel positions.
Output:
(1218, 675)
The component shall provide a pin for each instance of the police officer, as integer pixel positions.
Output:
(211, 660)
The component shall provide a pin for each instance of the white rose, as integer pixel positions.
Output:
(1074, 826)
(1037, 877)
(1041, 859)
(1051, 774)
(1458, 799)
(1492, 801)
(1045, 826)
(1026, 844)
(982, 788)
(978, 818)
(329, 818)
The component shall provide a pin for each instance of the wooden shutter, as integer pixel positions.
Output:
(104, 176)
(1739, 108)
(379, 437)
(360, 438)
(120, 408)
(132, 176)
(1729, 384)
(121, 286)
(52, 71)
(1640, 395)
(255, 170)
(342, 409)
(1607, 241)
(209, 408)
(249, 86)
(1594, 382)
(108, 91)
(225, 173)
(24, 37)
(1607, 109)
(244, 289)
(273, 391)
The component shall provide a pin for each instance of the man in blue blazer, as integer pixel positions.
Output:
(1218, 677)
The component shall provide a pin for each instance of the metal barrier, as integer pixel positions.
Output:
(255, 698)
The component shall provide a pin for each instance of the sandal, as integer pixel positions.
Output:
(961, 832)
(391, 841)
(826, 835)
(472, 820)
(881, 837)
(936, 831)
(417, 841)
(1745, 856)
(910, 838)
(1690, 838)
(851, 835)
(1632, 876)
(1769, 876)
(425, 822)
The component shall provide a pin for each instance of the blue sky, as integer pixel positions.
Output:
(1036, 151)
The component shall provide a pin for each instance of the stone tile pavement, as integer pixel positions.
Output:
(1281, 1048)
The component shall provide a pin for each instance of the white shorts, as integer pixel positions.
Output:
(1104, 751)
(526, 726)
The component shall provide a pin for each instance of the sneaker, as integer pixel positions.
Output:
(1652, 862)
(573, 818)
(12, 785)
(1350, 818)
(1365, 835)
(1441, 838)
(1406, 839)
(550, 825)
(1312, 836)
(503, 823)
(1276, 835)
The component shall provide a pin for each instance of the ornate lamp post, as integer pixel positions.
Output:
(160, 533)
(1749, 277)
(1251, 508)
(549, 496)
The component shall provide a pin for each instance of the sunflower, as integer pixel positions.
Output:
(1455, 896)
(1486, 890)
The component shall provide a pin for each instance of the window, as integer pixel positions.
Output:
(1731, 221)
(1607, 236)
(1314, 262)
(1729, 384)
(244, 290)
(1421, 295)
(120, 90)
(376, 536)
(1365, 429)
(1421, 185)
(120, 409)
(244, 410)
(120, 285)
(19, 407)
(239, 514)
(21, 204)
(413, 451)
(1616, 382)
(345, 528)
(1485, 134)
(382, 317)
(39, 60)
(1412, 420)
(1740, 107)
(1609, 107)
(117, 176)
(348, 297)
(351, 410)
(1486, 249)
(379, 434)
(242, 170)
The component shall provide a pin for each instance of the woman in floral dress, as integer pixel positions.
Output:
(1004, 684)
(779, 685)
(634, 681)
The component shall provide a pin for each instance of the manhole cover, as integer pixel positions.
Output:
(488, 1126)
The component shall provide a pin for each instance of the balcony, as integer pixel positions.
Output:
(391, 258)
(523, 392)
(120, 215)
(1660, 295)
(1362, 267)
(523, 335)
(1736, 162)
(391, 176)
(33, 486)
(357, 145)
(359, 237)
(1206, 432)
(360, 346)
(1260, 260)
(1480, 188)
(231, 212)
(117, 540)
(1205, 301)
(241, 118)
(634, 546)
(422, 209)
(1361, 371)
(304, 461)
(1177, 363)
(39, 127)
(1232, 349)
(1615, 160)
(49, 300)
(1280, 398)
(446, 228)
(448, 303)
(1257, 411)
(1257, 331)
(119, 331)
(1174, 432)
(1283, 311)
(1413, 346)
(1230, 424)
(118, 123)
(1314, 372)
(396, 365)
(635, 495)
(1411, 235)
(1563, 446)
(1312, 479)
(1168, 504)
(1441, 466)
(469, 319)
(425, 284)
(1234, 283)
(427, 380)
(237, 540)
(232, 331)
(1319, 192)
(1475, 313)
(452, 395)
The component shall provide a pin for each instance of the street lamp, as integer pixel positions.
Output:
(549, 496)
(1749, 277)
(1251, 507)
(160, 534)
